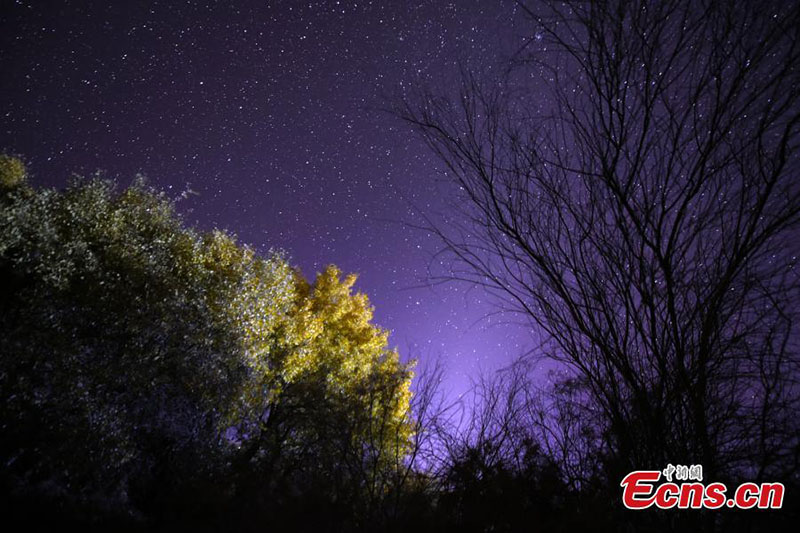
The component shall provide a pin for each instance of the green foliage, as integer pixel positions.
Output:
(139, 356)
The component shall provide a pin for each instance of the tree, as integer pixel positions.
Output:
(140, 360)
(339, 418)
(646, 221)
(497, 475)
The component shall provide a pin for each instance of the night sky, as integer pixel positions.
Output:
(265, 119)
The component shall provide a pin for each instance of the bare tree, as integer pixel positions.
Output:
(417, 465)
(640, 206)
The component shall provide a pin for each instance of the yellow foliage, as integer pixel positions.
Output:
(12, 172)
(325, 339)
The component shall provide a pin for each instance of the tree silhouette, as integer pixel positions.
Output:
(642, 212)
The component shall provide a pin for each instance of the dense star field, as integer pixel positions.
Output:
(383, 266)
(265, 118)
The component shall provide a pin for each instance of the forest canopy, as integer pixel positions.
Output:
(144, 364)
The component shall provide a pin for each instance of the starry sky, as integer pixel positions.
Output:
(271, 114)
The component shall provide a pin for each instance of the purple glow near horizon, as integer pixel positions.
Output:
(270, 113)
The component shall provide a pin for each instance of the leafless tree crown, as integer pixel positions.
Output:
(640, 206)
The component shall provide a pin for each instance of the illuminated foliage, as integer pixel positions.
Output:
(12, 172)
(136, 350)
